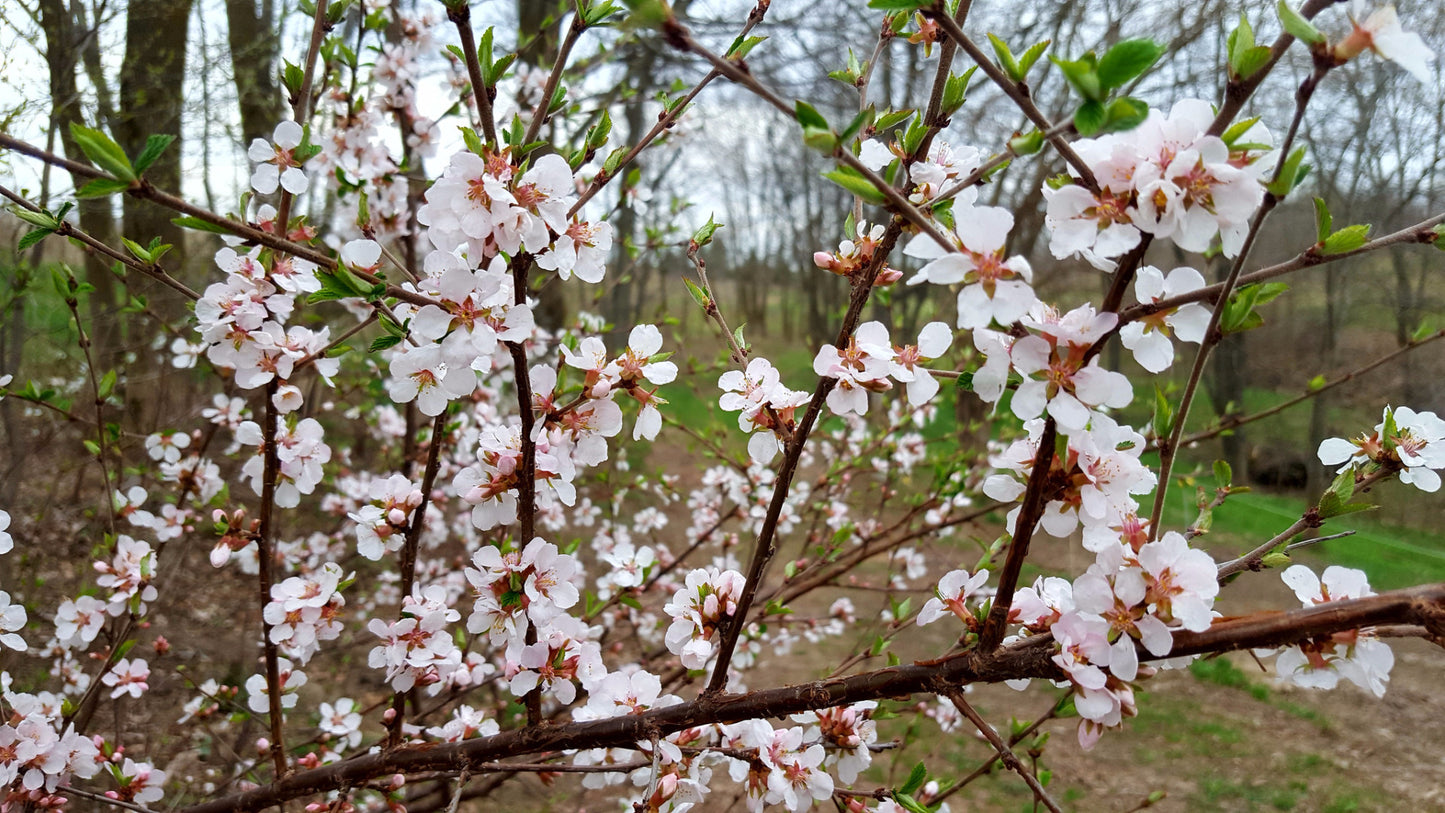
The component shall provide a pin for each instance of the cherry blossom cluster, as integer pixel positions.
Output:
(303, 612)
(1358, 656)
(567, 435)
(1168, 178)
(417, 649)
(707, 599)
(870, 359)
(39, 753)
(1407, 441)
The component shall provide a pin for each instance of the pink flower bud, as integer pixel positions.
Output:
(263, 745)
(388, 715)
(396, 516)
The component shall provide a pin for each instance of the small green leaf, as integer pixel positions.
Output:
(103, 152)
(32, 237)
(383, 342)
(106, 386)
(1006, 58)
(859, 123)
(1125, 114)
(1223, 474)
(100, 187)
(1293, 171)
(1083, 74)
(1128, 60)
(955, 91)
(741, 47)
(44, 220)
(808, 116)
(1323, 222)
(1089, 118)
(698, 294)
(892, 118)
(155, 145)
(1026, 144)
(703, 235)
(1251, 61)
(851, 180)
(1298, 26)
(197, 224)
(1345, 240)
(897, 5)
(916, 778)
(1031, 56)
(1163, 421)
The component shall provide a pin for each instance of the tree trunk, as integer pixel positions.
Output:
(251, 34)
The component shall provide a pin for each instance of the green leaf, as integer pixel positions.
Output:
(1223, 474)
(1128, 60)
(808, 116)
(1323, 222)
(155, 145)
(1163, 422)
(955, 91)
(1238, 129)
(1006, 58)
(916, 778)
(898, 5)
(859, 123)
(909, 803)
(851, 180)
(698, 294)
(473, 141)
(597, 136)
(383, 342)
(1347, 239)
(1293, 171)
(103, 152)
(1089, 118)
(913, 136)
(100, 187)
(1251, 61)
(32, 237)
(703, 235)
(1298, 26)
(1241, 39)
(1026, 144)
(1083, 74)
(1125, 114)
(197, 224)
(741, 47)
(892, 118)
(106, 386)
(1031, 56)
(44, 220)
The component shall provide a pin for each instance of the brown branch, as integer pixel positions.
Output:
(409, 553)
(265, 561)
(66, 229)
(461, 15)
(1423, 606)
(1018, 550)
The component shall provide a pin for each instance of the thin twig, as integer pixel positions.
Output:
(1005, 753)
